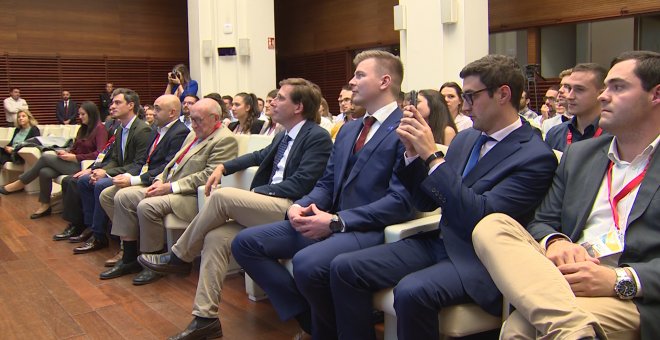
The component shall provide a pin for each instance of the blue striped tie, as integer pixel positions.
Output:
(280, 153)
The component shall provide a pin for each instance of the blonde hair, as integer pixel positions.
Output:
(387, 63)
(31, 120)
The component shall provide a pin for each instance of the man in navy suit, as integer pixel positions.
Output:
(288, 169)
(357, 196)
(498, 165)
(66, 109)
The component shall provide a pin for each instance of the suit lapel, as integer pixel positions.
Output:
(345, 147)
(296, 142)
(387, 127)
(647, 190)
(590, 183)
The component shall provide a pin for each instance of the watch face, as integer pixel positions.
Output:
(626, 288)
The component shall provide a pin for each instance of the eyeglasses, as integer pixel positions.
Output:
(468, 97)
(197, 120)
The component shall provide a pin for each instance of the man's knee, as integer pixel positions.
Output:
(408, 292)
(308, 268)
(490, 227)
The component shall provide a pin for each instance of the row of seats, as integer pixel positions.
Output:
(66, 131)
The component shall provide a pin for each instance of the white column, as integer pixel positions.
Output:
(224, 23)
(433, 52)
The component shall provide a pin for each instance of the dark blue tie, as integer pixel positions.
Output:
(280, 153)
(474, 155)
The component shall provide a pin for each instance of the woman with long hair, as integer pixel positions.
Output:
(179, 82)
(90, 140)
(452, 93)
(431, 105)
(26, 128)
(270, 128)
(246, 110)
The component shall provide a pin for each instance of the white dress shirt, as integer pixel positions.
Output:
(278, 177)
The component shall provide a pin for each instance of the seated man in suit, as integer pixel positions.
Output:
(66, 109)
(165, 141)
(582, 89)
(131, 141)
(357, 196)
(499, 164)
(288, 169)
(590, 266)
(139, 212)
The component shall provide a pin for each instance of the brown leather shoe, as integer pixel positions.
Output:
(198, 330)
(111, 262)
(84, 236)
(91, 245)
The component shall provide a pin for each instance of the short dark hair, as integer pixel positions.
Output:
(647, 68)
(347, 87)
(272, 93)
(496, 70)
(228, 97)
(553, 88)
(12, 88)
(193, 96)
(223, 109)
(130, 96)
(598, 71)
(307, 93)
(387, 63)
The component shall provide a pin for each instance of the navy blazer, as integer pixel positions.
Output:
(167, 147)
(304, 164)
(568, 204)
(70, 114)
(371, 194)
(511, 178)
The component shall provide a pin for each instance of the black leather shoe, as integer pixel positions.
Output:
(121, 269)
(91, 245)
(84, 236)
(146, 276)
(46, 212)
(197, 330)
(70, 231)
(5, 192)
(160, 263)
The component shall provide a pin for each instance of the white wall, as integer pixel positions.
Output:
(253, 20)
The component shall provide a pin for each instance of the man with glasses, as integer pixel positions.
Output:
(288, 169)
(139, 211)
(500, 165)
(188, 102)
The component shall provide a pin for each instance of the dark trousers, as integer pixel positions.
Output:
(258, 249)
(93, 214)
(71, 203)
(425, 280)
(47, 168)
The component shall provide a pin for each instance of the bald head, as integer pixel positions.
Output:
(204, 115)
(166, 109)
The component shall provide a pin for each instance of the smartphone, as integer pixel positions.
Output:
(413, 98)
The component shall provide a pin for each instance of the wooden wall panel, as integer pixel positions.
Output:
(506, 15)
(308, 27)
(125, 28)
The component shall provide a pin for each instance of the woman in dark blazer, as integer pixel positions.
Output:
(90, 140)
(246, 110)
(26, 129)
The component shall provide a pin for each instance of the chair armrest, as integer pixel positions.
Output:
(400, 231)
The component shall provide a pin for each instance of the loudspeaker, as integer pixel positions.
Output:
(207, 49)
(448, 11)
(400, 18)
(244, 47)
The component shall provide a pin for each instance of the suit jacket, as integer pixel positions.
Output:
(304, 164)
(34, 132)
(106, 100)
(136, 147)
(369, 196)
(167, 147)
(195, 168)
(511, 178)
(568, 204)
(255, 129)
(70, 114)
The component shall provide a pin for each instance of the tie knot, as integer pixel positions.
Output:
(369, 121)
(483, 139)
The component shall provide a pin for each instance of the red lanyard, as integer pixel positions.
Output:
(178, 160)
(569, 136)
(155, 144)
(624, 192)
(107, 144)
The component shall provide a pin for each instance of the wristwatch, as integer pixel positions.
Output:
(625, 287)
(432, 157)
(336, 224)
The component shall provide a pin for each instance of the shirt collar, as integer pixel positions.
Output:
(384, 112)
(163, 130)
(501, 134)
(573, 123)
(295, 130)
(128, 126)
(613, 153)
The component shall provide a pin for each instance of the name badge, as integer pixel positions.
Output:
(100, 158)
(144, 169)
(606, 244)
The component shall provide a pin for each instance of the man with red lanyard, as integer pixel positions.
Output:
(588, 265)
(164, 143)
(139, 211)
(582, 89)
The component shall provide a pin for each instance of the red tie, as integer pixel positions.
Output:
(368, 122)
(154, 147)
